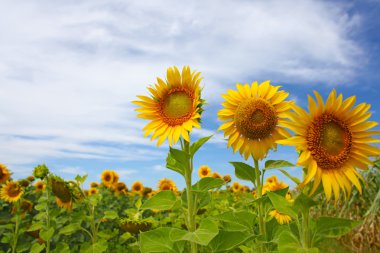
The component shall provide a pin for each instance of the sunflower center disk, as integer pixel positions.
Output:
(177, 107)
(14, 191)
(255, 118)
(330, 141)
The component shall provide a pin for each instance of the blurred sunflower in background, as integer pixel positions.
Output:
(334, 140)
(280, 217)
(4, 174)
(137, 187)
(11, 191)
(174, 106)
(254, 117)
(236, 186)
(227, 178)
(204, 171)
(120, 188)
(92, 191)
(40, 186)
(167, 184)
(109, 178)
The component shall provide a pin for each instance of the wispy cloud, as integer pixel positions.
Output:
(69, 69)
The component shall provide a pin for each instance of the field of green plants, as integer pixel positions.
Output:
(333, 208)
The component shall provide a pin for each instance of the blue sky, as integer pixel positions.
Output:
(69, 71)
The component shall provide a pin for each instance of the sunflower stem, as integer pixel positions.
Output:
(47, 214)
(190, 201)
(260, 204)
(305, 229)
(17, 225)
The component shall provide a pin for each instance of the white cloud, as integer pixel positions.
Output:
(69, 69)
(72, 170)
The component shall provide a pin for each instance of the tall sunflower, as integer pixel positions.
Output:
(174, 106)
(333, 139)
(254, 117)
(4, 174)
(11, 191)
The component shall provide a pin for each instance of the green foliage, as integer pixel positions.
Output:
(244, 171)
(163, 200)
(159, 240)
(276, 164)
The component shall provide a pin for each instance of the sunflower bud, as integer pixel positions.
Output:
(41, 171)
(135, 226)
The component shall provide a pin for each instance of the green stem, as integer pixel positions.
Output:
(47, 215)
(260, 204)
(93, 225)
(305, 229)
(190, 201)
(15, 237)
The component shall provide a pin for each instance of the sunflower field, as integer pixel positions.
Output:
(334, 207)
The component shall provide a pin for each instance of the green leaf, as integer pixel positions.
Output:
(172, 164)
(244, 171)
(62, 248)
(181, 157)
(207, 230)
(99, 247)
(70, 229)
(294, 179)
(37, 248)
(35, 226)
(289, 243)
(124, 237)
(110, 215)
(81, 179)
(237, 221)
(275, 164)
(332, 227)
(303, 202)
(207, 183)
(198, 144)
(226, 241)
(158, 240)
(164, 200)
(281, 204)
(47, 234)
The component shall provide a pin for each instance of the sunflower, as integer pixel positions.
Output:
(31, 178)
(11, 191)
(204, 171)
(4, 174)
(254, 117)
(94, 185)
(109, 177)
(236, 187)
(62, 192)
(227, 178)
(333, 139)
(280, 217)
(174, 106)
(68, 204)
(166, 184)
(137, 187)
(40, 186)
(25, 207)
(92, 191)
(120, 188)
(272, 184)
